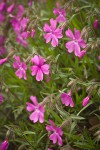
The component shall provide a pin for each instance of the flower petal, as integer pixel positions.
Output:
(53, 23)
(77, 34)
(70, 46)
(34, 100)
(70, 34)
(35, 60)
(46, 28)
(54, 41)
(41, 117)
(48, 37)
(39, 76)
(30, 107)
(45, 69)
(34, 70)
(53, 137)
(34, 116)
(19, 73)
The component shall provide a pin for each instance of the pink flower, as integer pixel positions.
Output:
(96, 23)
(4, 145)
(39, 68)
(10, 9)
(1, 99)
(36, 109)
(49, 149)
(67, 99)
(76, 42)
(61, 14)
(57, 133)
(21, 66)
(52, 33)
(85, 101)
(3, 60)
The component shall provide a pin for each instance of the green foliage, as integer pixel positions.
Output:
(67, 72)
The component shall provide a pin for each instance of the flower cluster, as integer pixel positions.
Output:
(39, 68)
(53, 34)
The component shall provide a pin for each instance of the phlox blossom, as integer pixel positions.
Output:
(67, 99)
(52, 33)
(21, 68)
(76, 42)
(60, 13)
(39, 68)
(56, 133)
(36, 109)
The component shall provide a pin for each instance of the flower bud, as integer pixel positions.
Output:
(4, 145)
(96, 23)
(85, 101)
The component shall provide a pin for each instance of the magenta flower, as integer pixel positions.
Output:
(52, 33)
(60, 13)
(21, 66)
(76, 42)
(67, 99)
(36, 109)
(39, 68)
(85, 101)
(3, 60)
(10, 9)
(1, 99)
(96, 23)
(57, 133)
(4, 145)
